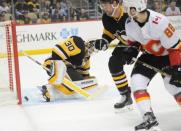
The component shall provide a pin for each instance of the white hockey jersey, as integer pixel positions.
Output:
(156, 36)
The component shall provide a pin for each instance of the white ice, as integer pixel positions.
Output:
(82, 115)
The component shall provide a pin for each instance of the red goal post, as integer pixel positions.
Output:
(10, 87)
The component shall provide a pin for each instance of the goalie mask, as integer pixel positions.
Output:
(109, 6)
(137, 5)
(90, 48)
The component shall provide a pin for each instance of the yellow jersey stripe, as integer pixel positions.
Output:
(47, 62)
(59, 53)
(119, 77)
(122, 85)
(122, 40)
(122, 12)
(106, 32)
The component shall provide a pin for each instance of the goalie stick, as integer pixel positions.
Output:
(69, 83)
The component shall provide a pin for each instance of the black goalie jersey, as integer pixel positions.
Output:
(72, 51)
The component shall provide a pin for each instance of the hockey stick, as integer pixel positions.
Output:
(145, 64)
(35, 61)
(151, 67)
(67, 82)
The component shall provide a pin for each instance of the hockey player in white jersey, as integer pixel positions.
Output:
(162, 49)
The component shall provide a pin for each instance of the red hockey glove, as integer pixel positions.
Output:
(175, 63)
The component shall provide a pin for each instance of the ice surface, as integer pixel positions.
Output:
(79, 114)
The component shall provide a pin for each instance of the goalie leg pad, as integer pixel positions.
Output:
(59, 70)
(76, 88)
(64, 89)
(87, 83)
(84, 84)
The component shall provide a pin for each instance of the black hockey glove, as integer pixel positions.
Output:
(101, 44)
(176, 76)
(132, 52)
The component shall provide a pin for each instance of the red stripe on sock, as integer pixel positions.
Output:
(141, 94)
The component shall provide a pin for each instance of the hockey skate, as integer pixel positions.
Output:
(150, 123)
(45, 93)
(125, 104)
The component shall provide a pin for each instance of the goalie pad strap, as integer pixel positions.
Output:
(86, 83)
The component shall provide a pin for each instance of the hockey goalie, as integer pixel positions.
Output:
(68, 68)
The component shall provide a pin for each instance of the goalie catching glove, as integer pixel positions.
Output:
(48, 63)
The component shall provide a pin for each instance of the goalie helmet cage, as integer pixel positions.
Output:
(10, 89)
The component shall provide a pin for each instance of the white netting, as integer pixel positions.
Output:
(8, 76)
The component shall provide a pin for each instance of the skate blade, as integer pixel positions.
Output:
(155, 128)
(125, 109)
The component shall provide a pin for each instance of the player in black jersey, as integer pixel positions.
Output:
(113, 20)
(69, 59)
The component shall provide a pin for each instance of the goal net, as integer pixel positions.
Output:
(10, 91)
